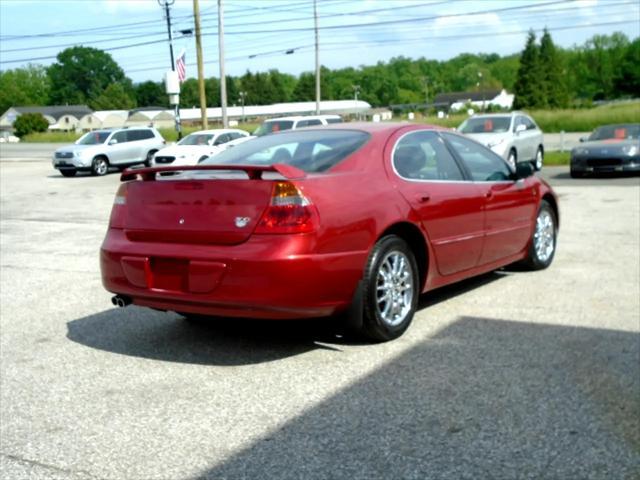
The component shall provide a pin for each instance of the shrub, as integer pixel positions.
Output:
(29, 123)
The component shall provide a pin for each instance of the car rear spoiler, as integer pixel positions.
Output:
(253, 171)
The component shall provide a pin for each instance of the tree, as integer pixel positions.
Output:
(24, 87)
(114, 97)
(554, 83)
(150, 94)
(81, 74)
(30, 122)
(189, 94)
(628, 80)
(528, 87)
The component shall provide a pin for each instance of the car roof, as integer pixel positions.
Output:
(218, 131)
(370, 127)
(301, 117)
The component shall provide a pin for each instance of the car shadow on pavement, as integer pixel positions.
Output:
(482, 398)
(143, 332)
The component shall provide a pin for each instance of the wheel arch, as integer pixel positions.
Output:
(102, 155)
(414, 237)
(554, 205)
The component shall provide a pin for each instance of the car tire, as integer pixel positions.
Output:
(99, 166)
(389, 290)
(512, 159)
(68, 173)
(537, 163)
(542, 247)
(575, 174)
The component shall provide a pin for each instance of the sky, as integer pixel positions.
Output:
(258, 33)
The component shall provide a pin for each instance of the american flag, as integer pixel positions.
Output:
(181, 66)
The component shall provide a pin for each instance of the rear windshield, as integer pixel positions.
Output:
(486, 125)
(274, 126)
(616, 132)
(308, 150)
(93, 138)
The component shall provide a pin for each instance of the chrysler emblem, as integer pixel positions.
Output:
(181, 221)
(242, 221)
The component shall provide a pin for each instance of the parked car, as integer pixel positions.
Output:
(197, 146)
(359, 220)
(610, 148)
(514, 136)
(291, 123)
(98, 150)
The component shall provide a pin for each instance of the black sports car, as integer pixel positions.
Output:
(610, 148)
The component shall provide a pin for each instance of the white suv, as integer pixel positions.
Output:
(514, 136)
(96, 151)
(291, 123)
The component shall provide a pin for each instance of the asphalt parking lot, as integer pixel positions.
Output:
(509, 375)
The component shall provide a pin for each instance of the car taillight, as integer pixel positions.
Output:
(119, 208)
(288, 212)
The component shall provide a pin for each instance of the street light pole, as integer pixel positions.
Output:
(165, 4)
(242, 95)
(356, 91)
(223, 79)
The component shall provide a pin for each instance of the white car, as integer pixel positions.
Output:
(198, 146)
(291, 123)
(514, 136)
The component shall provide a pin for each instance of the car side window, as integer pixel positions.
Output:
(423, 155)
(121, 137)
(145, 134)
(482, 163)
(529, 123)
(224, 138)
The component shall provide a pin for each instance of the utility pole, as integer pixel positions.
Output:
(315, 21)
(356, 91)
(165, 4)
(242, 95)
(223, 79)
(201, 91)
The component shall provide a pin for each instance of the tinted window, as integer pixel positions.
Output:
(311, 151)
(482, 163)
(196, 139)
(424, 156)
(273, 126)
(224, 138)
(528, 123)
(121, 137)
(134, 135)
(486, 125)
(308, 123)
(334, 120)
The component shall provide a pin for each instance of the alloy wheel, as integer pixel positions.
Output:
(394, 288)
(544, 236)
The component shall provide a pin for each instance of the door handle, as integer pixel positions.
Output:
(424, 198)
(489, 194)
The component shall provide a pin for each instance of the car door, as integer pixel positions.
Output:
(137, 140)
(526, 139)
(509, 205)
(450, 209)
(117, 148)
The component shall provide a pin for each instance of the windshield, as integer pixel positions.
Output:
(616, 132)
(273, 126)
(93, 138)
(311, 151)
(486, 125)
(197, 139)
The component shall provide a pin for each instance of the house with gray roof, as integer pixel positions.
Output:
(65, 117)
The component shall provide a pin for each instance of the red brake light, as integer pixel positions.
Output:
(119, 208)
(288, 212)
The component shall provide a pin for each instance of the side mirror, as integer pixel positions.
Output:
(583, 139)
(520, 128)
(523, 170)
(113, 141)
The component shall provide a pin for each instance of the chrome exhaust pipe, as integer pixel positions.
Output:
(121, 301)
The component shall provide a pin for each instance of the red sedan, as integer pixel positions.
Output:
(355, 218)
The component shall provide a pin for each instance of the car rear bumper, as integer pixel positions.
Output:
(265, 277)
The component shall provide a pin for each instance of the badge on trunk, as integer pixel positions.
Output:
(242, 221)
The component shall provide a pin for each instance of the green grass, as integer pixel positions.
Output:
(51, 137)
(568, 120)
(556, 158)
